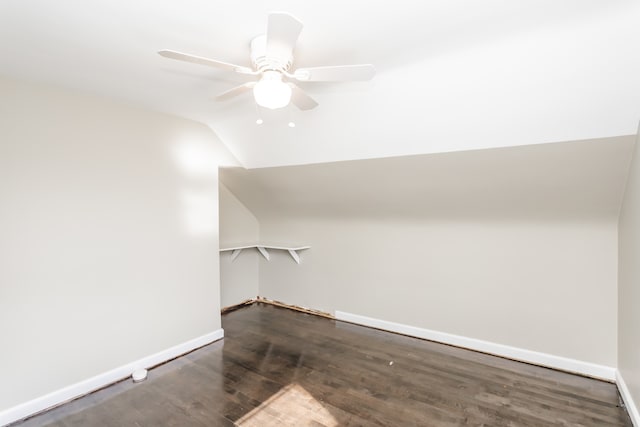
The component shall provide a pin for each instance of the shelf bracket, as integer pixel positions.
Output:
(235, 254)
(294, 255)
(264, 252)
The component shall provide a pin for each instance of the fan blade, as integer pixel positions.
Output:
(172, 54)
(338, 73)
(300, 99)
(235, 91)
(282, 33)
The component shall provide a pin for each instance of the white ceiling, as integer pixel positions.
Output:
(580, 180)
(452, 74)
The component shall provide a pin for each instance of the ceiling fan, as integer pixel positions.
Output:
(272, 58)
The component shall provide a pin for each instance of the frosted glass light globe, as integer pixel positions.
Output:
(271, 92)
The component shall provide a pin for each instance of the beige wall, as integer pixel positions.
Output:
(109, 236)
(629, 283)
(514, 246)
(543, 286)
(239, 277)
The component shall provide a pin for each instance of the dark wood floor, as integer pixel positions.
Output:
(280, 367)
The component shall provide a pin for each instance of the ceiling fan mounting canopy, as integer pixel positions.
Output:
(272, 58)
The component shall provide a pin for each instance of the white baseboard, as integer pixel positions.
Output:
(94, 383)
(632, 409)
(515, 353)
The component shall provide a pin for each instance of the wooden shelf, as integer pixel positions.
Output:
(263, 249)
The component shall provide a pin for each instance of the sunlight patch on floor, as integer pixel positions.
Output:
(291, 406)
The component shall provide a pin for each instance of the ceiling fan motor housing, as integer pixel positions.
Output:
(279, 57)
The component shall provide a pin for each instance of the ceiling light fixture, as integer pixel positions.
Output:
(259, 121)
(271, 92)
(292, 125)
(271, 60)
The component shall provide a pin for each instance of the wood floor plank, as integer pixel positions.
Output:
(279, 367)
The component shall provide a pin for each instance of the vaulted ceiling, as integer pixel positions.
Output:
(452, 74)
(577, 181)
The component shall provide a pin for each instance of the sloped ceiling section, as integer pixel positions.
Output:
(581, 180)
(452, 74)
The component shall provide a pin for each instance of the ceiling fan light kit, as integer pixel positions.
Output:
(272, 58)
(271, 92)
